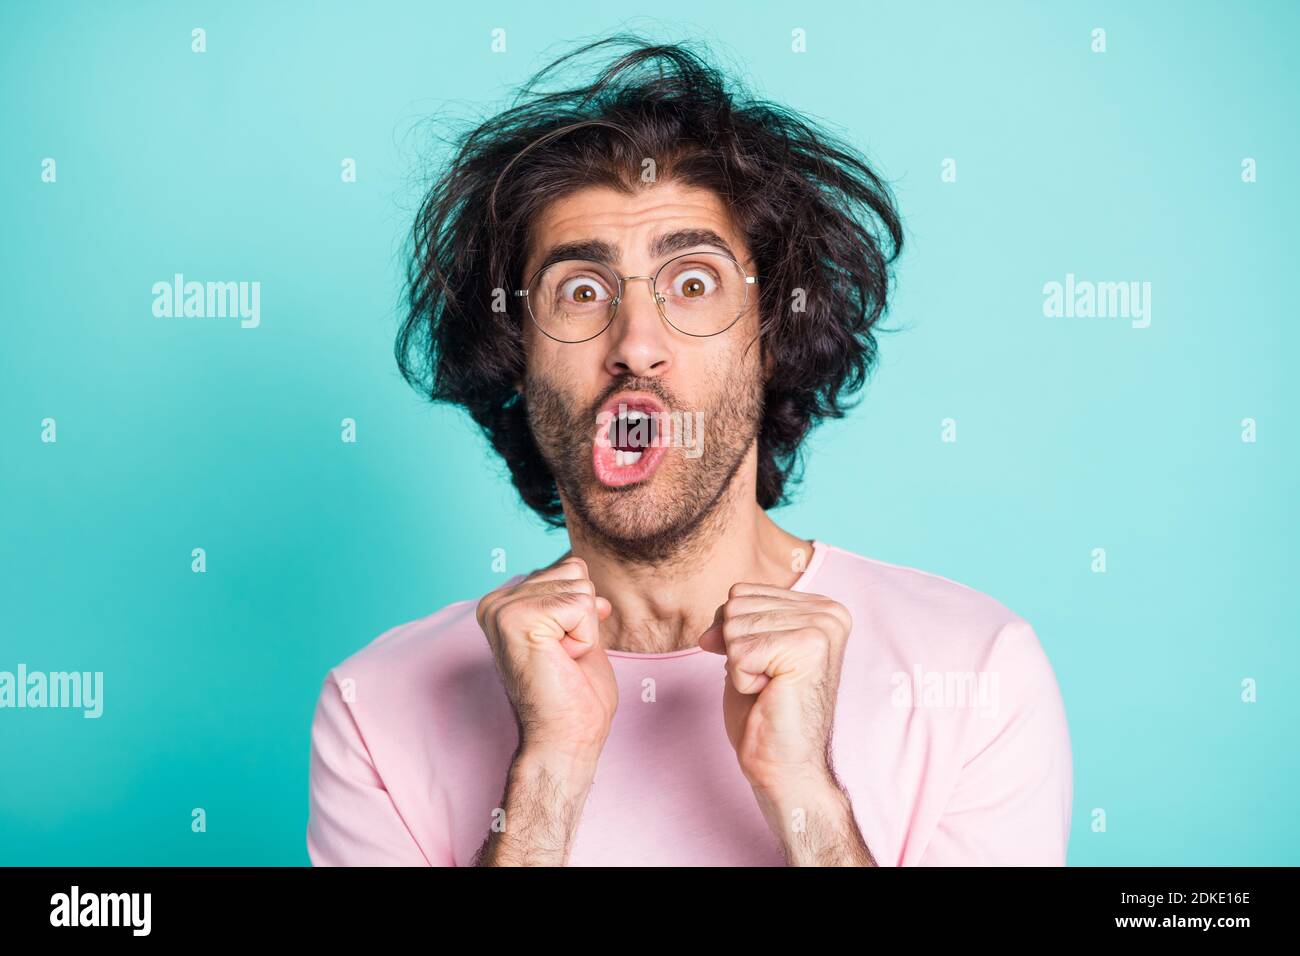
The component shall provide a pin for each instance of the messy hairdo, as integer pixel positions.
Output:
(821, 225)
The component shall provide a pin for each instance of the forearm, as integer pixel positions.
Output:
(543, 802)
(815, 824)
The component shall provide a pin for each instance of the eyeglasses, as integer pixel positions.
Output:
(697, 293)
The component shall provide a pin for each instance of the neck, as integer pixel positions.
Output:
(667, 605)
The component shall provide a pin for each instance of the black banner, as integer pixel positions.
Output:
(237, 904)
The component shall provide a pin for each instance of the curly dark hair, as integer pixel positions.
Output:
(820, 224)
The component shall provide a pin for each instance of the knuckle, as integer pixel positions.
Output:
(490, 615)
(822, 636)
(826, 622)
(509, 617)
(840, 612)
(572, 567)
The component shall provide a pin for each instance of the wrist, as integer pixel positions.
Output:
(813, 779)
(574, 769)
(813, 819)
(815, 790)
(797, 809)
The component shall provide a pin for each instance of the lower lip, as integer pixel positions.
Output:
(612, 475)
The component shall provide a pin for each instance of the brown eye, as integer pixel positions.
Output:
(694, 282)
(581, 290)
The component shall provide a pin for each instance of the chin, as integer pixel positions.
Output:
(635, 515)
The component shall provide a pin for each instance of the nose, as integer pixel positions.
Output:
(639, 340)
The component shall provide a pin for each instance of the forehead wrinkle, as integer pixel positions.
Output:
(600, 250)
(703, 209)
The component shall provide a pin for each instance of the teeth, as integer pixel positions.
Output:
(634, 415)
(624, 458)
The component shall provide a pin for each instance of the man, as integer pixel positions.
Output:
(646, 291)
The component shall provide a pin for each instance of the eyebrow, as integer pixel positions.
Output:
(597, 250)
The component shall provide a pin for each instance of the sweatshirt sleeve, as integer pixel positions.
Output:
(352, 819)
(1012, 802)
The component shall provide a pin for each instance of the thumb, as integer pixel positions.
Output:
(603, 607)
(711, 640)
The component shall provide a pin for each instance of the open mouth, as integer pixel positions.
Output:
(631, 440)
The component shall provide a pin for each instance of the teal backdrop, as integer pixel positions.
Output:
(1178, 663)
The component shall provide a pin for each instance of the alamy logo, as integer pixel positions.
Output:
(75, 689)
(946, 690)
(1101, 300)
(645, 429)
(102, 909)
(215, 300)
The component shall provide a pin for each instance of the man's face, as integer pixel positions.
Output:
(643, 507)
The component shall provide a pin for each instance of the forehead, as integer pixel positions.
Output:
(631, 222)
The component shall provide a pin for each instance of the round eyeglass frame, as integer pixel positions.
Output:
(654, 293)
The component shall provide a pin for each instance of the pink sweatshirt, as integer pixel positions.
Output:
(950, 738)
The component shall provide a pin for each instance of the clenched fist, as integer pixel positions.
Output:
(545, 637)
(784, 650)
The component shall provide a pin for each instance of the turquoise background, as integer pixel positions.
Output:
(1073, 434)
